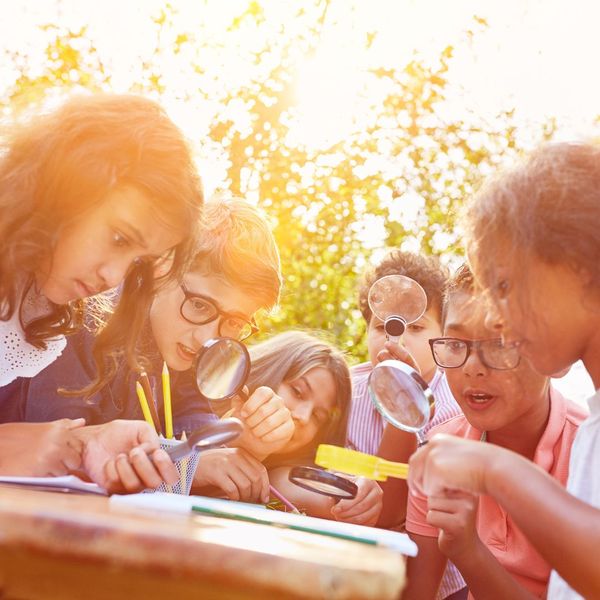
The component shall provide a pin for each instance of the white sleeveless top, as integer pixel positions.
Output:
(18, 358)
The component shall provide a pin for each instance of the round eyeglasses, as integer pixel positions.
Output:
(200, 310)
(451, 353)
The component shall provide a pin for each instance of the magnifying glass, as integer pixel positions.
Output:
(323, 482)
(210, 436)
(222, 368)
(397, 301)
(401, 396)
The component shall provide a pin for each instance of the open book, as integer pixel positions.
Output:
(67, 483)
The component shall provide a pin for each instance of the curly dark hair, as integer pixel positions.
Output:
(425, 270)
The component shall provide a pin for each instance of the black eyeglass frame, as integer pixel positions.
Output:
(470, 345)
(218, 313)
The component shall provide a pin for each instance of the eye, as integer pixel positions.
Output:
(232, 324)
(297, 392)
(119, 239)
(416, 328)
(502, 288)
(199, 306)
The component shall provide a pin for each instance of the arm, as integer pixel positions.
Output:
(563, 529)
(40, 449)
(455, 515)
(424, 571)
(396, 445)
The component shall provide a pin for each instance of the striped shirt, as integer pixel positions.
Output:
(365, 424)
(365, 430)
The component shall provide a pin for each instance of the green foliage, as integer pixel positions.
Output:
(398, 178)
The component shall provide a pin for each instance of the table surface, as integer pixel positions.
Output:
(64, 546)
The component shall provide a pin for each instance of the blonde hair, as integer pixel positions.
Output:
(289, 355)
(236, 243)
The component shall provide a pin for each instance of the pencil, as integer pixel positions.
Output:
(144, 404)
(283, 499)
(145, 382)
(184, 463)
(166, 383)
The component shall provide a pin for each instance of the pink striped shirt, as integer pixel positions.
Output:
(365, 424)
(365, 430)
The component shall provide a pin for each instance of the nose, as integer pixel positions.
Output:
(302, 412)
(203, 333)
(474, 367)
(112, 272)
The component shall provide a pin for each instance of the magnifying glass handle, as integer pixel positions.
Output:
(243, 396)
(421, 439)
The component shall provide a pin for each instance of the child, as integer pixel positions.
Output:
(507, 404)
(365, 426)
(312, 378)
(88, 195)
(533, 243)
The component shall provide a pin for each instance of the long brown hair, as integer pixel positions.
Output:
(57, 166)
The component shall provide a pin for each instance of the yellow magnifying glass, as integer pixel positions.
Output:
(359, 463)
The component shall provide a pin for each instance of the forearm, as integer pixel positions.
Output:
(563, 529)
(487, 579)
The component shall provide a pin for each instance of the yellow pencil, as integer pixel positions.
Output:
(166, 383)
(144, 404)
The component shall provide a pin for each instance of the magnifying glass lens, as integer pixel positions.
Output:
(221, 371)
(401, 395)
(323, 482)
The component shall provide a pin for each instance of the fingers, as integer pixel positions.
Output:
(283, 433)
(393, 351)
(366, 507)
(262, 404)
(73, 423)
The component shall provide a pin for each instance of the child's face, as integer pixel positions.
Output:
(94, 252)
(177, 339)
(310, 399)
(491, 399)
(548, 311)
(415, 339)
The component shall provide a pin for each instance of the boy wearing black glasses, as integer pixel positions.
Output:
(505, 402)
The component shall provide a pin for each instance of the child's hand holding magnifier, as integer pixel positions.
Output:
(268, 424)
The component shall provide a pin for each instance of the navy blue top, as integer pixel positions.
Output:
(38, 399)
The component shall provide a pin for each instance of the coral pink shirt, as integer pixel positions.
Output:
(495, 527)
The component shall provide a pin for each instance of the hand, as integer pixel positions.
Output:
(395, 351)
(454, 514)
(236, 472)
(365, 508)
(40, 449)
(268, 424)
(452, 463)
(125, 456)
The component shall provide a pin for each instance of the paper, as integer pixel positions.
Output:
(259, 514)
(67, 483)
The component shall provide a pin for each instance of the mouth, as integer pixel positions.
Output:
(185, 352)
(85, 291)
(478, 399)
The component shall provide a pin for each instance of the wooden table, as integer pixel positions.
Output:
(66, 546)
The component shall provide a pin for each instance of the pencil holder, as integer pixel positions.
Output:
(186, 467)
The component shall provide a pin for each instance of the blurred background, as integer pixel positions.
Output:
(357, 125)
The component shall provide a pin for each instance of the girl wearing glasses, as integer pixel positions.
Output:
(534, 245)
(91, 195)
(507, 404)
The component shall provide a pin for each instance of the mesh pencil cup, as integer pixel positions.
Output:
(186, 467)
